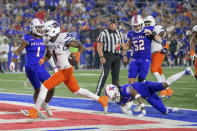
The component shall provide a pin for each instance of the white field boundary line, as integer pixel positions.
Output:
(25, 80)
(165, 123)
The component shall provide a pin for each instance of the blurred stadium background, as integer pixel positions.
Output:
(85, 19)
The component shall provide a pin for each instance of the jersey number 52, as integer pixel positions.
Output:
(139, 45)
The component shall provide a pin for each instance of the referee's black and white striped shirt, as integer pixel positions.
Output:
(110, 40)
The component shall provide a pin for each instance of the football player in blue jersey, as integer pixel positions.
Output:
(140, 38)
(125, 94)
(35, 50)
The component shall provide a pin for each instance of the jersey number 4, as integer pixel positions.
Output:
(140, 46)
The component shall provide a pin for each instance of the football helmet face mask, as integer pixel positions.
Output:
(51, 29)
(113, 93)
(137, 23)
(36, 26)
(149, 21)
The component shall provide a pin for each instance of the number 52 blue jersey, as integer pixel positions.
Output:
(141, 43)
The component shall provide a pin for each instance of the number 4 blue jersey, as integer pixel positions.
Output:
(141, 43)
(34, 50)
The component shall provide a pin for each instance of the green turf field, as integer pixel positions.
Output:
(185, 89)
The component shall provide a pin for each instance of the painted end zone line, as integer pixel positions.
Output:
(86, 104)
(89, 113)
(78, 119)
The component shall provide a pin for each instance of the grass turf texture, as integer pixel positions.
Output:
(185, 88)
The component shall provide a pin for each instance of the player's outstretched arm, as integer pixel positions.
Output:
(19, 50)
(46, 57)
(126, 108)
(16, 54)
(53, 65)
(140, 100)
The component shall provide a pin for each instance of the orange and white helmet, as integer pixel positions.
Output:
(36, 26)
(149, 21)
(137, 23)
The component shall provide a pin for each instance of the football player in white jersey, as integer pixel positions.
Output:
(158, 54)
(59, 45)
(192, 46)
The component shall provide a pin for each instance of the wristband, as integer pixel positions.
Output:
(137, 96)
(15, 56)
(54, 68)
(124, 55)
(101, 56)
(142, 105)
(192, 53)
(153, 34)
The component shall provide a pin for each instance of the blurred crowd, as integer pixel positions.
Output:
(85, 19)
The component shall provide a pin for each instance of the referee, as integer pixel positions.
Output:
(108, 47)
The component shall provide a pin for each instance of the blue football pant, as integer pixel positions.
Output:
(37, 74)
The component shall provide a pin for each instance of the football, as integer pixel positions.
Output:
(72, 60)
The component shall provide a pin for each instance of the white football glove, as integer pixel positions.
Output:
(128, 105)
(142, 114)
(126, 111)
(147, 32)
(137, 108)
(12, 66)
(55, 70)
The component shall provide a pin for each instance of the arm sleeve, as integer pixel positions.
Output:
(52, 63)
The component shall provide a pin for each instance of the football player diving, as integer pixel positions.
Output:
(125, 94)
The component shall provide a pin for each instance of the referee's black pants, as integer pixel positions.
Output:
(113, 64)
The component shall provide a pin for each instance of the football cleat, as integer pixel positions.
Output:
(188, 71)
(33, 113)
(45, 106)
(169, 92)
(41, 115)
(163, 94)
(103, 100)
(24, 112)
